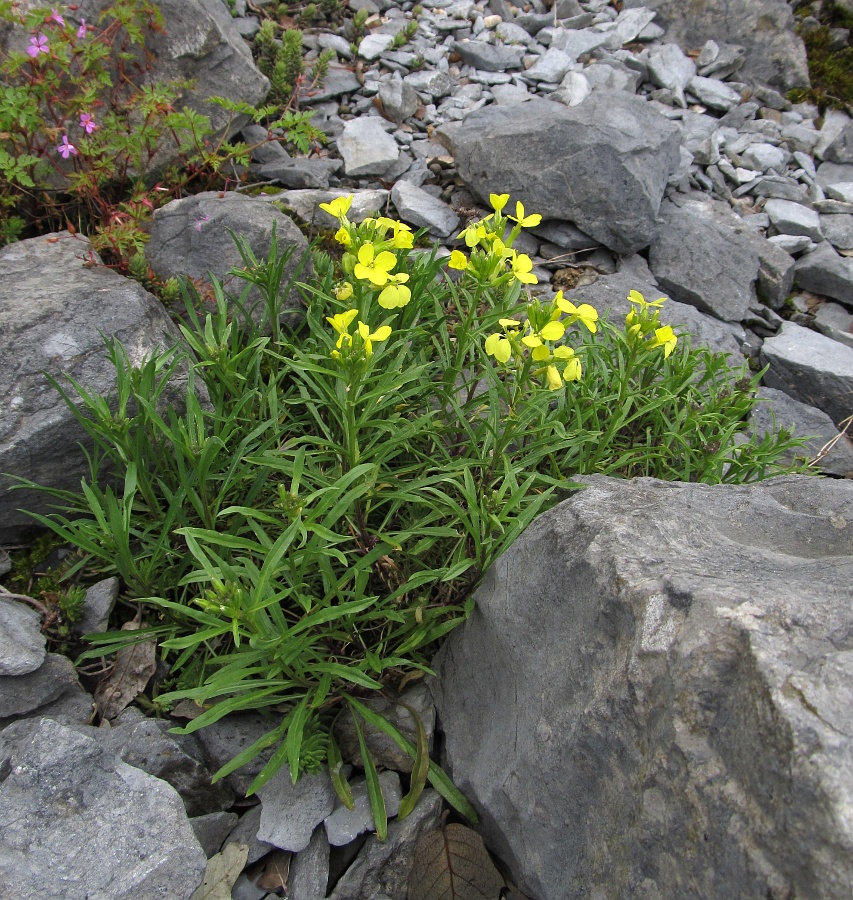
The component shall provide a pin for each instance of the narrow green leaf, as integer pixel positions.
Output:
(374, 788)
(336, 766)
(420, 769)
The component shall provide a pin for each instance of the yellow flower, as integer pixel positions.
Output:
(583, 313)
(572, 372)
(521, 268)
(458, 260)
(341, 323)
(396, 294)
(343, 291)
(342, 236)
(380, 334)
(498, 201)
(552, 331)
(374, 266)
(640, 300)
(498, 346)
(473, 234)
(525, 221)
(664, 337)
(338, 207)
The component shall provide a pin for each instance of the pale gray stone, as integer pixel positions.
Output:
(838, 230)
(812, 368)
(399, 99)
(842, 191)
(212, 829)
(366, 147)
(611, 183)
(328, 41)
(49, 325)
(781, 411)
(685, 718)
(791, 243)
(576, 43)
(713, 93)
(21, 641)
(834, 123)
(76, 823)
(670, 68)
(306, 204)
(514, 33)
(841, 149)
(430, 81)
(574, 89)
(794, 218)
(699, 261)
(829, 173)
(262, 148)
(345, 825)
(823, 271)
(511, 94)
(21, 694)
(765, 156)
(381, 869)
(246, 832)
(489, 57)
(290, 812)
(97, 606)
(417, 207)
(309, 869)
(224, 739)
(775, 271)
(630, 23)
(340, 80)
(551, 66)
(372, 46)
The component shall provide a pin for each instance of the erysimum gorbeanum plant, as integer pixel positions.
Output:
(84, 129)
(302, 541)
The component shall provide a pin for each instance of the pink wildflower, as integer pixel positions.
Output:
(81, 31)
(66, 148)
(37, 45)
(87, 123)
(55, 17)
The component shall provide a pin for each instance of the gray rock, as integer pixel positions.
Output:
(682, 725)
(765, 156)
(699, 261)
(381, 869)
(306, 204)
(212, 829)
(308, 878)
(263, 148)
(97, 606)
(834, 123)
(551, 66)
(416, 207)
(823, 271)
(372, 46)
(246, 832)
(21, 641)
(780, 189)
(791, 243)
(21, 694)
(336, 42)
(671, 69)
(175, 759)
(574, 89)
(300, 173)
(782, 411)
(838, 230)
(511, 94)
(610, 185)
(576, 43)
(835, 321)
(794, 218)
(516, 33)
(399, 99)
(775, 55)
(489, 57)
(631, 23)
(50, 326)
(775, 271)
(564, 235)
(345, 825)
(190, 237)
(433, 82)
(829, 173)
(290, 812)
(223, 740)
(340, 80)
(713, 93)
(383, 749)
(73, 707)
(727, 60)
(812, 368)
(77, 823)
(842, 191)
(367, 148)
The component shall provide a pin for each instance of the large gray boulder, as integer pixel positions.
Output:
(58, 303)
(775, 54)
(76, 823)
(192, 237)
(651, 698)
(699, 261)
(602, 165)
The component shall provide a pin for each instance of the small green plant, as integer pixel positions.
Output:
(306, 539)
(830, 68)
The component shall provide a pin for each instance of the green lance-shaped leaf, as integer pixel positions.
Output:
(374, 788)
(420, 769)
(336, 773)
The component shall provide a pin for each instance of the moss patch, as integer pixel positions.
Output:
(830, 71)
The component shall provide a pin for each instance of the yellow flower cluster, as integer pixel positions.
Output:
(361, 341)
(640, 323)
(537, 335)
(492, 258)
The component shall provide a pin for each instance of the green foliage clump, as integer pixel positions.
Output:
(306, 533)
(830, 69)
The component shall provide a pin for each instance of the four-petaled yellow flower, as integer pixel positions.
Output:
(403, 238)
(498, 345)
(382, 333)
(640, 300)
(341, 323)
(498, 201)
(584, 313)
(552, 331)
(373, 266)
(396, 294)
(338, 207)
(522, 265)
(343, 291)
(664, 337)
(342, 236)
(530, 221)
(458, 260)
(572, 371)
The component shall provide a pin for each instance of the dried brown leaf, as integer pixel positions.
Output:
(453, 864)
(276, 870)
(131, 672)
(186, 709)
(223, 870)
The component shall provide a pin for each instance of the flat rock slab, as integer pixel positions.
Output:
(812, 368)
(699, 261)
(419, 208)
(58, 303)
(684, 723)
(367, 148)
(22, 694)
(608, 178)
(823, 271)
(21, 641)
(290, 812)
(78, 824)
